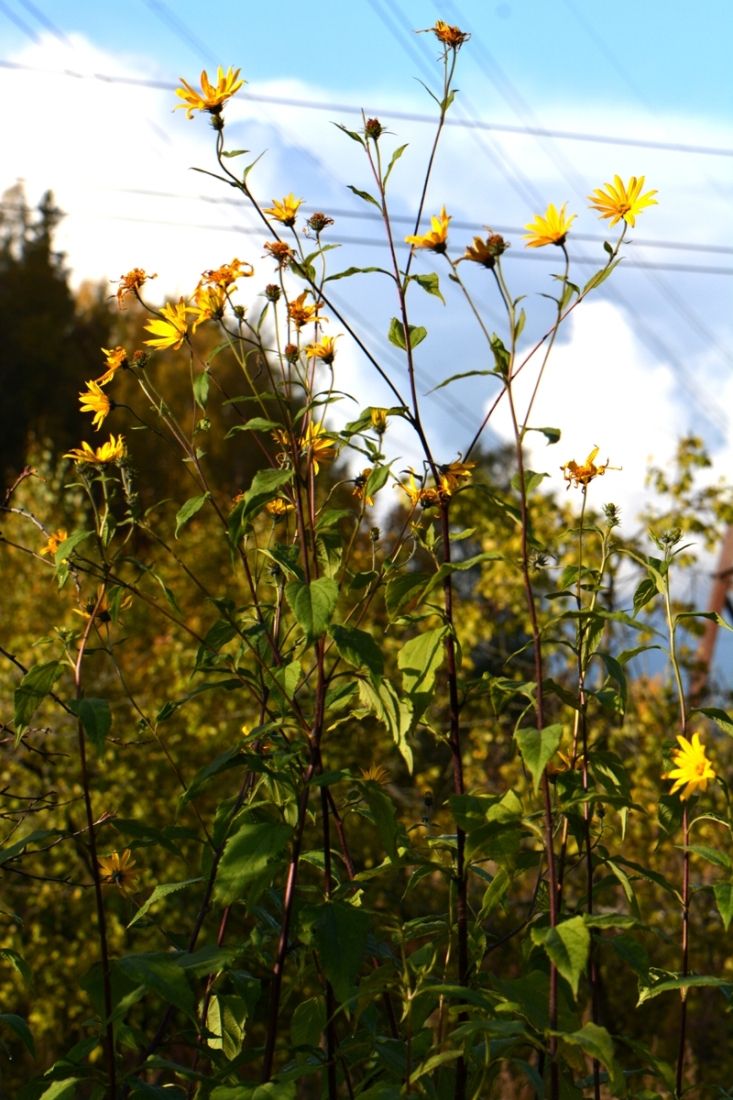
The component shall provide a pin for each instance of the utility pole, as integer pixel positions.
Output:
(719, 600)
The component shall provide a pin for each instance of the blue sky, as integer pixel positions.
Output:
(645, 87)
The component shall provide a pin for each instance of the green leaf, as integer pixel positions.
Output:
(402, 589)
(430, 283)
(59, 1090)
(340, 933)
(349, 271)
(502, 358)
(273, 1090)
(265, 485)
(96, 719)
(70, 544)
(313, 604)
(201, 389)
(396, 334)
(32, 689)
(364, 195)
(419, 659)
(383, 812)
(382, 701)
(21, 1029)
(567, 946)
(232, 758)
(721, 718)
(692, 981)
(595, 1041)
(599, 277)
(254, 424)
(18, 963)
(162, 891)
(537, 748)
(395, 157)
(358, 648)
(646, 590)
(189, 510)
(250, 858)
(159, 973)
(225, 1020)
(308, 1023)
(723, 892)
(457, 377)
(552, 435)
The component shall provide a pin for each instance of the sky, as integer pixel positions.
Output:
(627, 88)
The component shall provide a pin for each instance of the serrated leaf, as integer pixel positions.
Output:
(159, 973)
(32, 690)
(595, 1041)
(349, 271)
(162, 891)
(189, 510)
(382, 701)
(599, 277)
(254, 424)
(567, 946)
(308, 1023)
(249, 861)
(537, 748)
(419, 659)
(457, 377)
(358, 648)
(313, 604)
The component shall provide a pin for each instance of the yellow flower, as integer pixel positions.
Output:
(300, 313)
(549, 228)
(379, 420)
(284, 210)
(437, 239)
(279, 507)
(54, 541)
(360, 483)
(692, 770)
(170, 328)
(318, 444)
(95, 400)
(486, 252)
(325, 349)
(101, 602)
(227, 274)
(114, 359)
(411, 487)
(111, 451)
(118, 869)
(131, 283)
(622, 200)
(280, 251)
(208, 305)
(375, 773)
(449, 35)
(453, 475)
(212, 96)
(579, 475)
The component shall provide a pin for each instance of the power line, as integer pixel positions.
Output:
(684, 148)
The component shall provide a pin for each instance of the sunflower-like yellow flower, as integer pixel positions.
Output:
(111, 451)
(100, 607)
(169, 330)
(95, 400)
(450, 36)
(692, 770)
(437, 238)
(375, 773)
(227, 274)
(549, 228)
(54, 541)
(316, 443)
(208, 305)
(325, 349)
(619, 200)
(378, 417)
(360, 483)
(114, 359)
(212, 96)
(411, 487)
(284, 210)
(454, 474)
(582, 475)
(486, 252)
(118, 868)
(301, 313)
(131, 283)
(279, 507)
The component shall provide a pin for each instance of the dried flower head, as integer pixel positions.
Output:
(319, 221)
(227, 274)
(450, 36)
(114, 360)
(301, 313)
(131, 283)
(281, 252)
(54, 541)
(582, 475)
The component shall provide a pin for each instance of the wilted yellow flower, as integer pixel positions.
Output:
(227, 274)
(280, 251)
(212, 96)
(619, 200)
(379, 420)
(454, 474)
(284, 210)
(486, 252)
(411, 487)
(208, 305)
(583, 474)
(325, 349)
(95, 400)
(449, 35)
(118, 869)
(170, 328)
(437, 239)
(101, 602)
(114, 359)
(279, 506)
(549, 228)
(318, 444)
(302, 314)
(54, 541)
(131, 283)
(692, 770)
(360, 483)
(111, 451)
